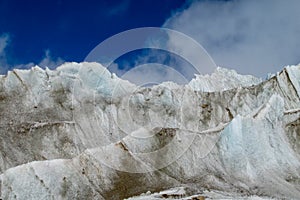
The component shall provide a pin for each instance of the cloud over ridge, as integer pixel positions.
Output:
(252, 37)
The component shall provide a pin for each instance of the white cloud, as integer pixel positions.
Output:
(253, 37)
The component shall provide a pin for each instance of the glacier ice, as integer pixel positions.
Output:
(222, 79)
(80, 132)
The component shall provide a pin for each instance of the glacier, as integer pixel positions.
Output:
(80, 132)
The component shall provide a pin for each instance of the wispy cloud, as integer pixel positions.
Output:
(46, 61)
(119, 9)
(4, 41)
(253, 37)
(154, 67)
(49, 61)
(151, 74)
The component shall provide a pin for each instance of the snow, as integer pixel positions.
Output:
(76, 132)
(180, 193)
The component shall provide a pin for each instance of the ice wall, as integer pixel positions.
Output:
(80, 132)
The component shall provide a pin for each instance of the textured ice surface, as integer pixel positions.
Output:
(79, 132)
(222, 79)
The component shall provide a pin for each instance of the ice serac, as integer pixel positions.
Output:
(222, 79)
(79, 132)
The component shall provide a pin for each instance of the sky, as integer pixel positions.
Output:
(52, 31)
(251, 36)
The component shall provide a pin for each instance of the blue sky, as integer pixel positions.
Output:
(251, 36)
(70, 29)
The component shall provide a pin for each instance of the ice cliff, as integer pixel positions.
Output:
(79, 132)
